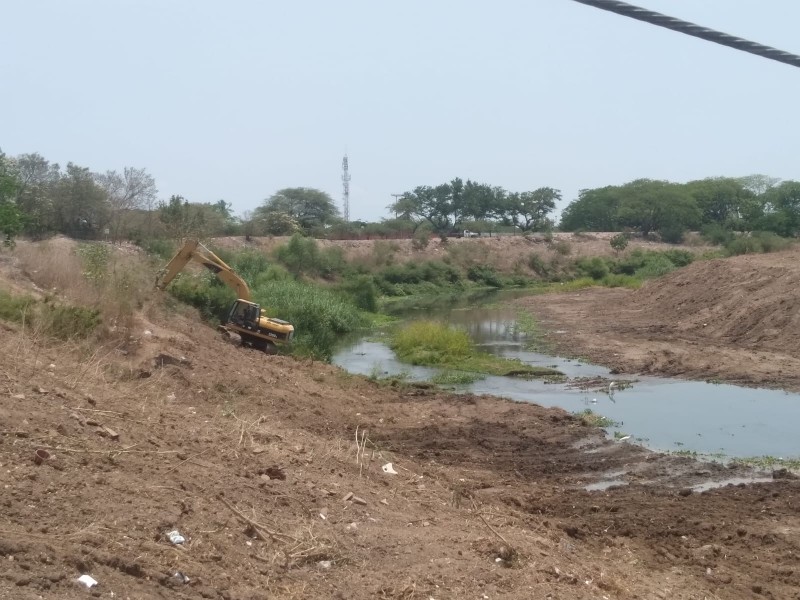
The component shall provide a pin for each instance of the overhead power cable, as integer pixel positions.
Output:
(649, 16)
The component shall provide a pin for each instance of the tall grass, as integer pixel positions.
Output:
(431, 343)
(320, 316)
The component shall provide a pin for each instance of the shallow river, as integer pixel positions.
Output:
(663, 414)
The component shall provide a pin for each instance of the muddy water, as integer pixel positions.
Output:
(663, 414)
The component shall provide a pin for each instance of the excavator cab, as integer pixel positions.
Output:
(245, 314)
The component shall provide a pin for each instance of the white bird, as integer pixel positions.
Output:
(623, 438)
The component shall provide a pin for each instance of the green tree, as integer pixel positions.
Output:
(182, 219)
(649, 205)
(722, 200)
(529, 210)
(10, 216)
(594, 210)
(310, 208)
(781, 209)
(35, 197)
(80, 206)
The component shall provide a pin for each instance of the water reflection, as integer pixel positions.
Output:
(665, 414)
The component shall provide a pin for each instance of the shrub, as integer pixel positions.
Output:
(679, 258)
(562, 247)
(362, 291)
(485, 275)
(619, 242)
(715, 233)
(383, 253)
(15, 308)
(421, 239)
(756, 243)
(655, 265)
(595, 267)
(67, 322)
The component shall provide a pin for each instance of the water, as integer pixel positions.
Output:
(663, 414)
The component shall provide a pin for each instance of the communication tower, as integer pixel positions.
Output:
(346, 189)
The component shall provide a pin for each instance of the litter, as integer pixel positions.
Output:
(87, 580)
(181, 577)
(388, 468)
(325, 564)
(175, 537)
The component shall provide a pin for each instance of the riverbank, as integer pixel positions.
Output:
(733, 320)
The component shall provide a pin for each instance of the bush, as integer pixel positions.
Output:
(595, 267)
(619, 242)
(715, 233)
(655, 265)
(302, 256)
(15, 308)
(67, 322)
(362, 290)
(485, 275)
(562, 247)
(756, 243)
(679, 258)
(421, 239)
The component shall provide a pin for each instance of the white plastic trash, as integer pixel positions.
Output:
(388, 468)
(175, 537)
(87, 580)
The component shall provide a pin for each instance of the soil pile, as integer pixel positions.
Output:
(735, 319)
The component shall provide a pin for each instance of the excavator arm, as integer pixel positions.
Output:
(194, 250)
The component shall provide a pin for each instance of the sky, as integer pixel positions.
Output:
(236, 100)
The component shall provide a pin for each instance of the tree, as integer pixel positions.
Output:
(594, 210)
(181, 219)
(721, 200)
(80, 206)
(35, 197)
(649, 205)
(310, 208)
(10, 216)
(781, 209)
(619, 242)
(126, 191)
(529, 210)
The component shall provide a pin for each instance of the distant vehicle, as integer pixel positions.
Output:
(245, 317)
(470, 234)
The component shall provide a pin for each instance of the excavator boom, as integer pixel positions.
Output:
(245, 318)
(194, 250)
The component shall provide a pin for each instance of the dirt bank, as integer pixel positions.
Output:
(735, 320)
(272, 471)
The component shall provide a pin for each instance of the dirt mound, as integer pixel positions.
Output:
(273, 472)
(751, 301)
(735, 319)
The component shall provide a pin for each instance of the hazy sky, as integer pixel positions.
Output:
(238, 99)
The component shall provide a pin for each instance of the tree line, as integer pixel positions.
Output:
(38, 198)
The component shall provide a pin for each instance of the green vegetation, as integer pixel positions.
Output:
(769, 462)
(431, 343)
(592, 419)
(61, 321)
(15, 308)
(456, 378)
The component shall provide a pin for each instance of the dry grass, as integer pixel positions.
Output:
(100, 276)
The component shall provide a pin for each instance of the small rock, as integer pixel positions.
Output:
(325, 564)
(111, 433)
(347, 496)
(685, 492)
(359, 500)
(18, 396)
(385, 502)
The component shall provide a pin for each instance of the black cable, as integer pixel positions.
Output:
(649, 16)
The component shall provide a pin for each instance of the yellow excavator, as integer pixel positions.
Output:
(245, 317)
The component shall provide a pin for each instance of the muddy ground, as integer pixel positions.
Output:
(272, 470)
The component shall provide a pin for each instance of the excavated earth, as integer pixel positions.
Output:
(734, 320)
(274, 472)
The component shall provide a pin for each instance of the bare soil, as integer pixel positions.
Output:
(272, 470)
(734, 320)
